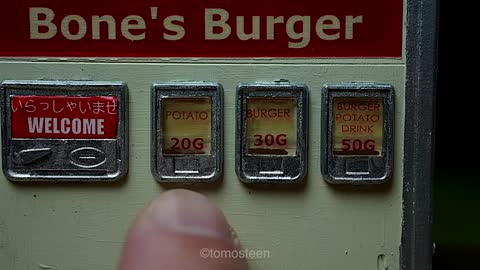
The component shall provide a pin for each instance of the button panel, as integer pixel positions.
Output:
(71, 130)
(64, 130)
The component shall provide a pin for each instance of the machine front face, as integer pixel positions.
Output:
(291, 116)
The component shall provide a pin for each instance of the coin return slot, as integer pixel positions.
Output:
(186, 166)
(357, 167)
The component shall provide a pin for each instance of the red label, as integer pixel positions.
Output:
(209, 28)
(63, 117)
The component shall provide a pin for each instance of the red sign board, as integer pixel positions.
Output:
(209, 28)
(64, 117)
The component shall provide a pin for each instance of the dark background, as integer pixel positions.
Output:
(456, 228)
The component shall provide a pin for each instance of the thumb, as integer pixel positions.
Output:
(180, 230)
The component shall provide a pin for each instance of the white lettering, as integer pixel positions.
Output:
(100, 126)
(328, 22)
(255, 33)
(81, 24)
(96, 25)
(36, 24)
(55, 126)
(76, 126)
(219, 25)
(178, 29)
(48, 125)
(271, 21)
(304, 35)
(133, 22)
(35, 125)
(211, 24)
(350, 21)
(89, 126)
(65, 125)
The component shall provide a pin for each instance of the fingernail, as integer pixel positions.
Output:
(187, 212)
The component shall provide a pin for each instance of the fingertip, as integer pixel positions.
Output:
(173, 229)
(188, 212)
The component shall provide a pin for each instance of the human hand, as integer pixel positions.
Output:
(171, 232)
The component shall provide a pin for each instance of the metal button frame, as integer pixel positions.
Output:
(270, 169)
(54, 159)
(198, 168)
(346, 169)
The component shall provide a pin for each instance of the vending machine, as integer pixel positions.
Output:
(309, 123)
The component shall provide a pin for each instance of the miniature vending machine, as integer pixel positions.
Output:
(308, 122)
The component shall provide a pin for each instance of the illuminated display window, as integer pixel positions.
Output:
(358, 126)
(187, 126)
(272, 126)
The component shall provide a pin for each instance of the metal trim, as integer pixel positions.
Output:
(421, 52)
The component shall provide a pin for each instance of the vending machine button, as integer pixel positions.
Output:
(187, 133)
(64, 130)
(271, 132)
(87, 157)
(30, 156)
(357, 133)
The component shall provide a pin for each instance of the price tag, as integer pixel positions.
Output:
(272, 126)
(187, 126)
(358, 127)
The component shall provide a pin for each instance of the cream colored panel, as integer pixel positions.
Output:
(318, 226)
